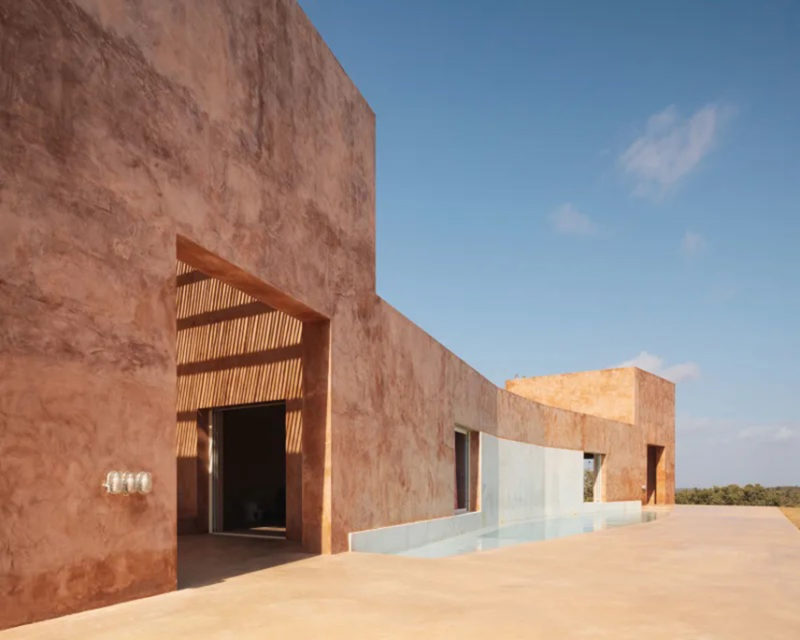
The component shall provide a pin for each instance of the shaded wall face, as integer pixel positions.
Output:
(87, 334)
(125, 125)
(232, 350)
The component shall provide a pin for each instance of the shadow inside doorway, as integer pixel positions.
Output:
(204, 559)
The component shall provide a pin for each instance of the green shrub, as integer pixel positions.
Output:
(750, 494)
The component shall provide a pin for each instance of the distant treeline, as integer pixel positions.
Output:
(750, 494)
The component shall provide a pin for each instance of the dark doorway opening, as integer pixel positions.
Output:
(654, 454)
(462, 470)
(249, 470)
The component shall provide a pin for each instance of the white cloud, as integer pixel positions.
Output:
(729, 450)
(644, 360)
(693, 424)
(681, 371)
(568, 220)
(654, 364)
(768, 433)
(692, 243)
(670, 148)
(720, 451)
(726, 430)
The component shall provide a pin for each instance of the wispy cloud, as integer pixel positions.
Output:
(726, 430)
(568, 220)
(731, 450)
(692, 243)
(768, 433)
(654, 364)
(670, 148)
(696, 425)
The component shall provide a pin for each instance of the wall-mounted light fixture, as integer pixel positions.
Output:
(113, 483)
(127, 482)
(144, 482)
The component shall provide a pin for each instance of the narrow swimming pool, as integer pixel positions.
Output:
(526, 531)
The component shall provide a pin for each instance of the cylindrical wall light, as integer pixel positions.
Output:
(144, 482)
(127, 482)
(113, 483)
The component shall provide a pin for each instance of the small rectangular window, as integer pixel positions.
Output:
(462, 470)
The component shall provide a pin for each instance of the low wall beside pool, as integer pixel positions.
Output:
(518, 482)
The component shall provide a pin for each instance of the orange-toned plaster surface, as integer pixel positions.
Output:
(609, 393)
(228, 136)
(125, 125)
(636, 409)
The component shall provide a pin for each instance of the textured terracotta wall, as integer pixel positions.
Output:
(124, 125)
(397, 398)
(87, 329)
(392, 421)
(396, 404)
(555, 427)
(230, 128)
(655, 410)
(232, 349)
(608, 393)
(645, 401)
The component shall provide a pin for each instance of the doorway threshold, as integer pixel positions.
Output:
(253, 533)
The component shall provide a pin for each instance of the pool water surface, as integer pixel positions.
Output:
(526, 531)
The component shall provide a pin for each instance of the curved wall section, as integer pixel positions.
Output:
(519, 482)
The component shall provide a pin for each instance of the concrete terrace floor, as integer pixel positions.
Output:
(701, 572)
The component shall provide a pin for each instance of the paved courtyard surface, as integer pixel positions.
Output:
(700, 572)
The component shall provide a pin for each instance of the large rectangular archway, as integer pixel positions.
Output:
(242, 342)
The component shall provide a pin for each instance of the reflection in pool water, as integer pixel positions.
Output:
(526, 531)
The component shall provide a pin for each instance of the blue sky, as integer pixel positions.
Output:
(569, 186)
